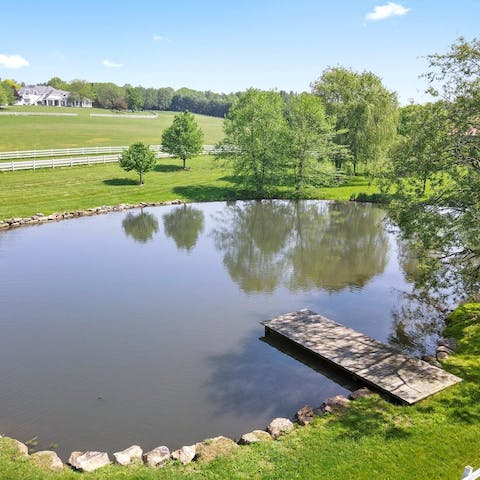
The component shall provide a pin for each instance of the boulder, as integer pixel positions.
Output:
(129, 455)
(158, 456)
(442, 355)
(16, 447)
(305, 415)
(214, 447)
(185, 454)
(432, 360)
(332, 405)
(450, 343)
(88, 461)
(279, 426)
(443, 348)
(360, 393)
(255, 437)
(47, 460)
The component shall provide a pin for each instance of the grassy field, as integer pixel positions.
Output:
(42, 132)
(372, 440)
(27, 192)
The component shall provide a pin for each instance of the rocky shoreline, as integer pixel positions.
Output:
(204, 451)
(40, 218)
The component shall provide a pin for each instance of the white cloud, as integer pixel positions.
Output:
(161, 38)
(110, 64)
(13, 61)
(381, 12)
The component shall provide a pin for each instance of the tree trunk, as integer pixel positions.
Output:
(184, 160)
(141, 178)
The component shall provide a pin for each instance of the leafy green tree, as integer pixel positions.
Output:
(57, 82)
(446, 223)
(420, 152)
(138, 157)
(184, 224)
(309, 138)
(140, 227)
(134, 98)
(164, 98)
(364, 110)
(255, 140)
(3, 96)
(184, 138)
(81, 90)
(109, 95)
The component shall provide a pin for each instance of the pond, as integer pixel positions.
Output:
(142, 327)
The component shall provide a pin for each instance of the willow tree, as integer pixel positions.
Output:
(365, 112)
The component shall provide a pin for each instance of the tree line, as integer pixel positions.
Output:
(111, 96)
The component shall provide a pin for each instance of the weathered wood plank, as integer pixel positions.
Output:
(406, 378)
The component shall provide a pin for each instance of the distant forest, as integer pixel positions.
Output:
(127, 97)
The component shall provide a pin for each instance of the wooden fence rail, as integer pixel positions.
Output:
(15, 165)
(469, 474)
(65, 152)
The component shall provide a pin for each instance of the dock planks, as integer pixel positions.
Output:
(405, 378)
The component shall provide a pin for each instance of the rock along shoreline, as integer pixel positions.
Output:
(160, 456)
(40, 218)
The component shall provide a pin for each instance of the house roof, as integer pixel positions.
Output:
(45, 90)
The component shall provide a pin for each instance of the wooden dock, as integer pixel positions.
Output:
(405, 378)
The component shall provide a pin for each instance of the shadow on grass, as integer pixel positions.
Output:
(203, 193)
(165, 168)
(119, 182)
(372, 416)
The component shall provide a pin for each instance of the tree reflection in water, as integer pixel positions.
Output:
(184, 224)
(140, 227)
(301, 245)
(419, 316)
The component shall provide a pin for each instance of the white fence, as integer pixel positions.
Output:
(65, 152)
(83, 160)
(469, 474)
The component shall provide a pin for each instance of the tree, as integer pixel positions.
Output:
(109, 95)
(8, 92)
(138, 157)
(81, 90)
(364, 110)
(57, 82)
(134, 98)
(184, 138)
(255, 140)
(445, 225)
(309, 138)
(419, 153)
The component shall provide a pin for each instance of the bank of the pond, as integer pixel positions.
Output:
(26, 193)
(371, 439)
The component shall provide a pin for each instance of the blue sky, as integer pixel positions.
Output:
(229, 45)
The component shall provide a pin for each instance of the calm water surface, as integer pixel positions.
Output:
(143, 327)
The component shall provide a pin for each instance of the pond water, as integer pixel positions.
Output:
(142, 327)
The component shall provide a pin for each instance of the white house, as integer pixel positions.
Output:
(47, 95)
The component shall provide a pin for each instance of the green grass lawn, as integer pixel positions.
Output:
(373, 440)
(44, 132)
(24, 193)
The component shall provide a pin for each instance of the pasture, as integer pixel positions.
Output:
(32, 132)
